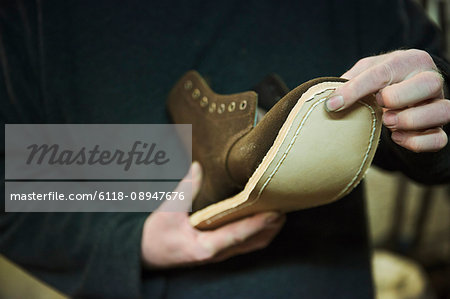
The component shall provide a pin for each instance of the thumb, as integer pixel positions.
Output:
(184, 194)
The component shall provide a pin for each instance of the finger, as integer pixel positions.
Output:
(396, 67)
(189, 187)
(431, 115)
(361, 65)
(422, 86)
(236, 232)
(258, 241)
(427, 141)
(173, 213)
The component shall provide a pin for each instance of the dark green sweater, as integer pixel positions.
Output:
(112, 61)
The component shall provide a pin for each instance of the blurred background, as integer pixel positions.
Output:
(410, 223)
(409, 228)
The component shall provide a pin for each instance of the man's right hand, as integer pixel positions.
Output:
(168, 239)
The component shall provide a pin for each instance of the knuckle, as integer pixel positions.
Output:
(445, 108)
(437, 140)
(364, 62)
(445, 140)
(237, 239)
(440, 140)
(202, 257)
(396, 57)
(396, 61)
(383, 74)
(203, 249)
(202, 254)
(414, 144)
(350, 90)
(435, 82)
(407, 120)
(390, 97)
(421, 57)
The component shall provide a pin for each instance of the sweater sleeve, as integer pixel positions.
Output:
(88, 255)
(414, 30)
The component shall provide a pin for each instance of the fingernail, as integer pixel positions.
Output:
(379, 99)
(334, 103)
(272, 217)
(397, 136)
(390, 119)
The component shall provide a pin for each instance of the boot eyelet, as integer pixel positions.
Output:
(196, 93)
(221, 108)
(204, 102)
(212, 107)
(243, 105)
(232, 106)
(188, 84)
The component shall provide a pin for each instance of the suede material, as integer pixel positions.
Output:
(252, 147)
(213, 131)
(317, 158)
(225, 142)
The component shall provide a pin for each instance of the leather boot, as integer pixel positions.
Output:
(298, 156)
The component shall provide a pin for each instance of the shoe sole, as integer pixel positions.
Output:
(317, 158)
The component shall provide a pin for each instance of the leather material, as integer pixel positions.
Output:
(218, 121)
(227, 158)
(253, 147)
(298, 156)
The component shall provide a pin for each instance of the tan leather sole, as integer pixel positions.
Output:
(316, 158)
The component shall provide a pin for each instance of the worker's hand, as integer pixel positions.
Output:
(410, 88)
(168, 239)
